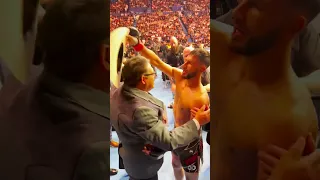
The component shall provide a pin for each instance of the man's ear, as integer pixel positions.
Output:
(105, 57)
(143, 80)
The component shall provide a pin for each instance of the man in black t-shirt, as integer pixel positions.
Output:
(174, 56)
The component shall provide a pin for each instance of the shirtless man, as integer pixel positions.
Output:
(185, 53)
(257, 99)
(189, 93)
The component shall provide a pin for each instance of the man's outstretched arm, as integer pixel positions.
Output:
(154, 59)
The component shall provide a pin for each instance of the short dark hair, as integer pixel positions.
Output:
(71, 34)
(133, 69)
(203, 56)
(309, 8)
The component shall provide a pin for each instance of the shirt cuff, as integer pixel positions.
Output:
(197, 124)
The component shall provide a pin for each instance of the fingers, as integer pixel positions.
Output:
(193, 113)
(275, 151)
(264, 171)
(297, 148)
(268, 161)
(195, 109)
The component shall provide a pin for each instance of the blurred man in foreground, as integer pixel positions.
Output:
(57, 125)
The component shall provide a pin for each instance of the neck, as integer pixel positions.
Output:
(194, 82)
(270, 66)
(141, 87)
(96, 78)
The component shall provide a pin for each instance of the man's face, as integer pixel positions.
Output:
(191, 67)
(260, 24)
(149, 77)
(173, 43)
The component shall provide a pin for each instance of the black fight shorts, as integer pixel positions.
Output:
(189, 156)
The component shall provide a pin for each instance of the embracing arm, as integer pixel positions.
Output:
(150, 127)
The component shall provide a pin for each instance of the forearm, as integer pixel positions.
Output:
(164, 139)
(179, 137)
(149, 127)
(149, 54)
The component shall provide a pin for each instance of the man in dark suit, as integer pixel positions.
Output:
(56, 127)
(137, 117)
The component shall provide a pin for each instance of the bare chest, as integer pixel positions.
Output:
(247, 116)
(244, 111)
(185, 100)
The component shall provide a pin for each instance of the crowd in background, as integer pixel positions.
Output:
(161, 6)
(139, 3)
(198, 5)
(119, 6)
(162, 22)
(198, 28)
(124, 21)
(156, 25)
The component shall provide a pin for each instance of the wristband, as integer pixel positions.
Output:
(138, 47)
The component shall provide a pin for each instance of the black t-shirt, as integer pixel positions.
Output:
(175, 59)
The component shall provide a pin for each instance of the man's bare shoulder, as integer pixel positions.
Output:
(177, 74)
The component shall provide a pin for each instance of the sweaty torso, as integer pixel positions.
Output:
(248, 115)
(185, 99)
